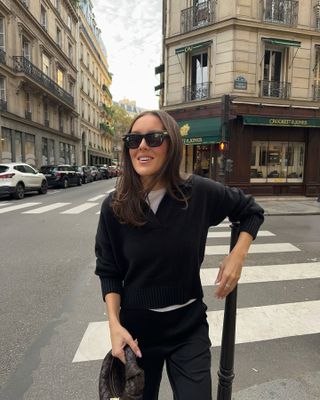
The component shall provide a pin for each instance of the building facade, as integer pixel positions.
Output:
(246, 72)
(97, 133)
(38, 75)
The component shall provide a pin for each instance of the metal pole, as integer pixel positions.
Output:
(225, 372)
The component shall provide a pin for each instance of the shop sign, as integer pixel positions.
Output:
(240, 83)
(278, 121)
(193, 140)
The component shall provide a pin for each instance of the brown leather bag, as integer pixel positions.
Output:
(124, 381)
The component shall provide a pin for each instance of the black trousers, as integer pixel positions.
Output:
(178, 338)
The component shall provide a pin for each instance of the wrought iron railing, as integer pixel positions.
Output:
(197, 92)
(198, 16)
(275, 89)
(46, 123)
(281, 12)
(2, 57)
(316, 93)
(3, 105)
(21, 64)
(28, 115)
(316, 10)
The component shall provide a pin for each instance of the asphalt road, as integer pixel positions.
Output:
(49, 296)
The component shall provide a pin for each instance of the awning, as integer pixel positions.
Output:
(281, 121)
(192, 47)
(159, 69)
(282, 42)
(201, 131)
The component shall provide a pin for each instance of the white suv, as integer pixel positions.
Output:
(18, 178)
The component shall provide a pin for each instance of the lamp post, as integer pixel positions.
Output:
(225, 373)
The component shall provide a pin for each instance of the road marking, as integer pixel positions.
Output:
(227, 234)
(222, 225)
(110, 191)
(17, 207)
(254, 248)
(267, 273)
(98, 213)
(4, 204)
(97, 197)
(44, 209)
(254, 324)
(54, 191)
(79, 209)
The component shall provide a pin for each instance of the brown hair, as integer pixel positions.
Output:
(129, 199)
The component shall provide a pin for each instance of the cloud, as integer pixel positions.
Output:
(132, 35)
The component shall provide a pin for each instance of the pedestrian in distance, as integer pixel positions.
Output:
(150, 244)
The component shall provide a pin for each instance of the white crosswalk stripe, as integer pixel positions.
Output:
(4, 204)
(44, 209)
(79, 209)
(97, 197)
(17, 207)
(223, 234)
(254, 248)
(253, 325)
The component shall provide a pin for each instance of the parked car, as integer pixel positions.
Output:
(104, 172)
(96, 175)
(61, 175)
(113, 171)
(85, 173)
(18, 178)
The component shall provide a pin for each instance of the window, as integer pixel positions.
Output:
(81, 51)
(45, 64)
(3, 96)
(60, 77)
(6, 145)
(60, 120)
(88, 60)
(281, 11)
(43, 17)
(29, 149)
(46, 113)
(72, 125)
(2, 34)
(59, 37)
(274, 73)
(69, 22)
(73, 154)
(88, 87)
(62, 159)
(277, 162)
(26, 49)
(70, 52)
(28, 110)
(18, 146)
(44, 151)
(199, 88)
(58, 5)
(71, 88)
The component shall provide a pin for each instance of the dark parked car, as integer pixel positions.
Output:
(61, 175)
(85, 173)
(95, 173)
(104, 172)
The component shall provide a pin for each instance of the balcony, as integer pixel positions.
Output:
(284, 12)
(21, 64)
(2, 57)
(46, 123)
(201, 91)
(316, 10)
(198, 16)
(280, 90)
(3, 105)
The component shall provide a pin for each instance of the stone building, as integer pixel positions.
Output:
(97, 134)
(246, 72)
(38, 76)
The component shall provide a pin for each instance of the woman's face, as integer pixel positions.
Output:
(147, 161)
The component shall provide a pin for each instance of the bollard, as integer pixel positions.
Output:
(225, 373)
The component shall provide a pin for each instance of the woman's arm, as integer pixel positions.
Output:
(231, 266)
(118, 334)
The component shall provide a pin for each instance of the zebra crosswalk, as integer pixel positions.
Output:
(254, 323)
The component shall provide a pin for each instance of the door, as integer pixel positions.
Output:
(272, 74)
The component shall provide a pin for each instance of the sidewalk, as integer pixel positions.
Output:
(305, 387)
(298, 205)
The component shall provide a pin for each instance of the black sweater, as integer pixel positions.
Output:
(157, 264)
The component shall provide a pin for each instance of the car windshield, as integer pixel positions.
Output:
(45, 169)
(3, 168)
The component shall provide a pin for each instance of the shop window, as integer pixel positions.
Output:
(277, 162)
(18, 147)
(44, 152)
(29, 149)
(73, 154)
(51, 151)
(62, 159)
(6, 155)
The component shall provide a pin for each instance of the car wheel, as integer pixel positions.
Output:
(19, 193)
(44, 188)
(85, 180)
(79, 182)
(65, 183)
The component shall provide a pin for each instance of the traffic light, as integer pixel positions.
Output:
(223, 147)
(229, 165)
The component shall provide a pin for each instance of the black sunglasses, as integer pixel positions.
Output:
(153, 139)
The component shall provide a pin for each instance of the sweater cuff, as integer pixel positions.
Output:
(110, 286)
(251, 225)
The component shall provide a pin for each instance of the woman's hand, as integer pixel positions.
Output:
(228, 275)
(120, 337)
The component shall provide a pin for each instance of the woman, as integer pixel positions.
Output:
(150, 245)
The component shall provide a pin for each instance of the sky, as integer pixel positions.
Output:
(132, 34)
